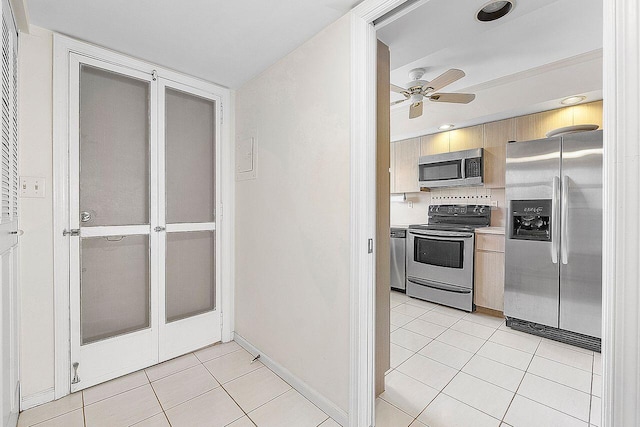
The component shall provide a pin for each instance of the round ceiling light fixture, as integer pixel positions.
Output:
(446, 127)
(573, 100)
(493, 10)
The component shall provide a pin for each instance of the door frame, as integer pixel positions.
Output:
(63, 46)
(621, 329)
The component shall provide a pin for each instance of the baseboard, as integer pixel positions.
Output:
(330, 408)
(490, 312)
(13, 419)
(36, 399)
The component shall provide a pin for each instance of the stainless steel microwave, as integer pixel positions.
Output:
(452, 169)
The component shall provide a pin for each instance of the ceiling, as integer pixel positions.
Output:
(222, 41)
(526, 51)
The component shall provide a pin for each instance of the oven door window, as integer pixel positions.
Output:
(439, 171)
(440, 253)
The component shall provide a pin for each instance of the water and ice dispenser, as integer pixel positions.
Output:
(531, 220)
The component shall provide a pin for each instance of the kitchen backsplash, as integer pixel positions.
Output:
(414, 209)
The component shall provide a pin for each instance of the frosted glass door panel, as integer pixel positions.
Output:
(191, 278)
(114, 286)
(190, 158)
(114, 148)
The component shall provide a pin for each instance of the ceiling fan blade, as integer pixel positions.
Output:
(398, 89)
(398, 102)
(415, 110)
(445, 79)
(458, 98)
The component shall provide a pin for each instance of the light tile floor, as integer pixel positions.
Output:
(215, 386)
(452, 368)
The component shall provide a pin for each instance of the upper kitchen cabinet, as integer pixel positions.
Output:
(588, 114)
(536, 126)
(496, 136)
(466, 138)
(436, 143)
(406, 156)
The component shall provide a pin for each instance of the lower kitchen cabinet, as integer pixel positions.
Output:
(489, 271)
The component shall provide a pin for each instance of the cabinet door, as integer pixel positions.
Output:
(489, 283)
(436, 143)
(588, 114)
(407, 153)
(392, 168)
(496, 135)
(536, 126)
(466, 138)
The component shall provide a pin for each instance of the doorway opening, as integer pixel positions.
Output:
(443, 360)
(139, 195)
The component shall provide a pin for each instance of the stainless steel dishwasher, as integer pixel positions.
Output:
(398, 265)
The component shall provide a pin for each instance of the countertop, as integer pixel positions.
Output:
(403, 226)
(490, 230)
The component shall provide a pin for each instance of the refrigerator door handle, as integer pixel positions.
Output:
(564, 255)
(555, 204)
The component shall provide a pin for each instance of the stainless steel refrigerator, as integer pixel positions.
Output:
(553, 253)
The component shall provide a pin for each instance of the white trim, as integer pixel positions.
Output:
(621, 231)
(115, 230)
(37, 399)
(226, 216)
(199, 226)
(363, 209)
(303, 388)
(62, 49)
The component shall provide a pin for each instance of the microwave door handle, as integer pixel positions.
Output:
(463, 168)
(555, 205)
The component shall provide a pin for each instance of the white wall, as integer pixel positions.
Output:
(36, 215)
(292, 221)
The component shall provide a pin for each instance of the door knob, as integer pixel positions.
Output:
(85, 216)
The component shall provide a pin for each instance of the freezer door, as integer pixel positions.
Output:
(581, 240)
(532, 267)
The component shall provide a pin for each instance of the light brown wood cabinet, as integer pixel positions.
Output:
(436, 143)
(496, 136)
(405, 158)
(491, 136)
(466, 138)
(489, 271)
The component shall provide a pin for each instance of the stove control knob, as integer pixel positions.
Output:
(482, 209)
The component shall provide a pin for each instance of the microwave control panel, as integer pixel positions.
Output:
(473, 167)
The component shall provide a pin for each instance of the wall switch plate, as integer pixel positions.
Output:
(33, 187)
(410, 204)
(494, 203)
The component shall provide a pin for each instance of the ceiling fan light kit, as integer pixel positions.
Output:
(417, 90)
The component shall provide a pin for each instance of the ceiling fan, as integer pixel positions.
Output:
(420, 89)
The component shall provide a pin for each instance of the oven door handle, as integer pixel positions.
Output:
(440, 286)
(443, 236)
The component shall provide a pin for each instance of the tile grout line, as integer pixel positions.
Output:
(157, 398)
(459, 370)
(519, 384)
(84, 416)
(593, 361)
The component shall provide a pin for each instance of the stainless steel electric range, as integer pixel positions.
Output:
(440, 254)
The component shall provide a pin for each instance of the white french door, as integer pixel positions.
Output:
(189, 170)
(144, 286)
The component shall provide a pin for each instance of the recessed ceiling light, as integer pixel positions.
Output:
(446, 127)
(573, 100)
(493, 10)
